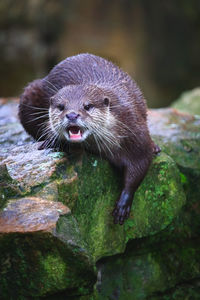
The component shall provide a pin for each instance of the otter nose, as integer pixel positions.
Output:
(72, 116)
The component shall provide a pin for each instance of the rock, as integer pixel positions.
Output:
(30, 215)
(189, 290)
(189, 102)
(86, 183)
(157, 267)
(11, 131)
(146, 270)
(156, 203)
(36, 259)
(178, 135)
(66, 204)
(41, 249)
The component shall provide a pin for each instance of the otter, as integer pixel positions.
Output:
(88, 101)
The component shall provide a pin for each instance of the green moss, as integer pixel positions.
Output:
(185, 291)
(183, 178)
(55, 268)
(98, 188)
(147, 269)
(189, 102)
(158, 200)
(38, 264)
(9, 188)
(67, 192)
(68, 231)
(90, 189)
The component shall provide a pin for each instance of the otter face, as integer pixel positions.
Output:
(77, 112)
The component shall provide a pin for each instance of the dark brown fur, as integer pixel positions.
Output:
(73, 84)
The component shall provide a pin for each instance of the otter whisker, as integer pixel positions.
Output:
(55, 89)
(45, 132)
(105, 145)
(50, 138)
(32, 120)
(34, 107)
(39, 113)
(103, 141)
(109, 137)
(125, 127)
(97, 143)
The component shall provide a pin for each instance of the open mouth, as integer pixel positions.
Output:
(75, 133)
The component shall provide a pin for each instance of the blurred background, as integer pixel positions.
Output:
(156, 42)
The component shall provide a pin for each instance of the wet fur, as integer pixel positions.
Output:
(120, 130)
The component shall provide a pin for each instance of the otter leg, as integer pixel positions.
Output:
(33, 109)
(133, 176)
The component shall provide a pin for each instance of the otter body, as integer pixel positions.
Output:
(88, 101)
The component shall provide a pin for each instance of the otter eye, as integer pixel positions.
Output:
(88, 106)
(106, 101)
(61, 107)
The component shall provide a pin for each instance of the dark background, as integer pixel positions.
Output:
(156, 42)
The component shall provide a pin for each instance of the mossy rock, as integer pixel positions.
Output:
(157, 201)
(89, 187)
(178, 135)
(35, 265)
(146, 270)
(189, 102)
(92, 185)
(36, 259)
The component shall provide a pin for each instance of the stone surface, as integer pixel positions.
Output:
(189, 102)
(178, 135)
(166, 265)
(10, 126)
(30, 215)
(56, 221)
(36, 257)
(189, 290)
(36, 264)
(152, 269)
(90, 187)
(146, 269)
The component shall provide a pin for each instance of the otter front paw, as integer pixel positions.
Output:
(122, 208)
(121, 213)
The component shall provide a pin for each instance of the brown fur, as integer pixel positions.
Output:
(91, 93)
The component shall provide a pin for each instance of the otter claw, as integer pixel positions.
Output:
(122, 208)
(120, 214)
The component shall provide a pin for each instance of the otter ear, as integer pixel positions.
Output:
(106, 101)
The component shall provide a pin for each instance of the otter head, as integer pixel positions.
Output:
(77, 112)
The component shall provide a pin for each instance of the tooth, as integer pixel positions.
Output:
(70, 133)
